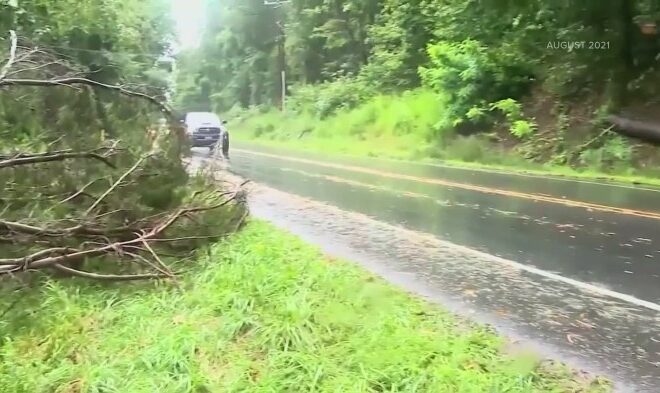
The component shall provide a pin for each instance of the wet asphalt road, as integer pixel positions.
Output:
(620, 252)
(616, 250)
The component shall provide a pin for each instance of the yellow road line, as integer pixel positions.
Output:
(465, 186)
(356, 183)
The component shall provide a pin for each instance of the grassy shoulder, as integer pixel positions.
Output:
(397, 127)
(261, 312)
(381, 149)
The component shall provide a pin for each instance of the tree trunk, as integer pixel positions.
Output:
(282, 63)
(626, 64)
(646, 131)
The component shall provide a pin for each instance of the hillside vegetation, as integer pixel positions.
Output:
(492, 81)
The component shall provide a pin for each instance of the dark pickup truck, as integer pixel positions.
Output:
(205, 129)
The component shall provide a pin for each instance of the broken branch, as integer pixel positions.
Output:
(57, 256)
(12, 54)
(51, 157)
(108, 277)
(88, 82)
(118, 182)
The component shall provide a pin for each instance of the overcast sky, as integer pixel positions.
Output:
(189, 16)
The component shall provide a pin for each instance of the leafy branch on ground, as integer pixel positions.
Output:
(89, 206)
(92, 234)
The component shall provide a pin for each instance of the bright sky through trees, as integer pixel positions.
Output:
(189, 16)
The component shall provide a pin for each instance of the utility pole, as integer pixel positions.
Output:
(282, 60)
(281, 52)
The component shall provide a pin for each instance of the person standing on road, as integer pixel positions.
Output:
(224, 138)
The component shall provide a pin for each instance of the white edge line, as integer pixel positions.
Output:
(579, 284)
(531, 269)
(566, 280)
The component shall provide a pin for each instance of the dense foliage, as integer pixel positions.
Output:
(386, 42)
(108, 41)
(573, 60)
(114, 177)
(112, 41)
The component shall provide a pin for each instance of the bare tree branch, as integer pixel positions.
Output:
(184, 238)
(56, 256)
(119, 181)
(79, 192)
(51, 157)
(147, 262)
(110, 277)
(16, 264)
(35, 67)
(160, 265)
(76, 231)
(89, 82)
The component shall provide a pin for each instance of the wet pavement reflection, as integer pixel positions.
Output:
(606, 193)
(617, 251)
(412, 233)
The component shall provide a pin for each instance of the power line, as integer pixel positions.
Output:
(281, 50)
(106, 51)
(155, 58)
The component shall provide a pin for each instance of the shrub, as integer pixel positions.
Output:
(470, 75)
(518, 127)
(510, 107)
(327, 98)
(615, 151)
(476, 113)
(522, 128)
(384, 71)
(468, 149)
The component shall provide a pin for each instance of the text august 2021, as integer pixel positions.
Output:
(578, 45)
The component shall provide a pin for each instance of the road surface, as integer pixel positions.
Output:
(572, 266)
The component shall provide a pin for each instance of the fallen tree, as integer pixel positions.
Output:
(52, 70)
(646, 131)
(94, 233)
(134, 242)
(91, 207)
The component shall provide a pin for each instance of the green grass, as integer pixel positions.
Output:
(407, 127)
(342, 148)
(262, 312)
(561, 171)
(390, 126)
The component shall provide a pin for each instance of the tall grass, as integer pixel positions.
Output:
(416, 125)
(262, 312)
(396, 126)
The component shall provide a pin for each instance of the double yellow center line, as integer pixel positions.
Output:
(464, 186)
